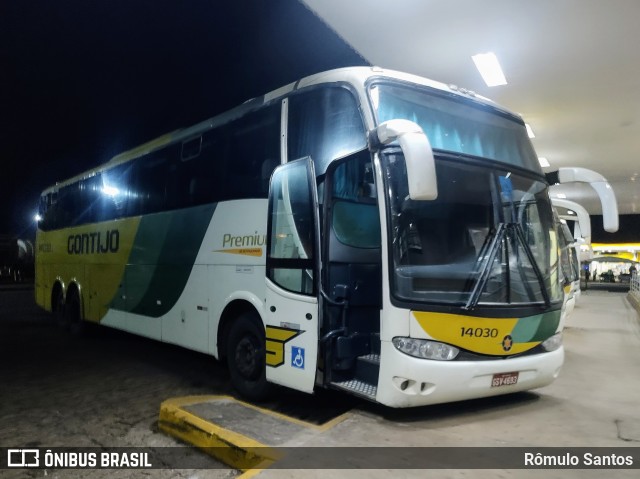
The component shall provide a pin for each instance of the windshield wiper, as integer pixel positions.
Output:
(536, 269)
(485, 271)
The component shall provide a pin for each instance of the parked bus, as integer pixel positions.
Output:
(579, 222)
(570, 268)
(16, 259)
(574, 223)
(360, 229)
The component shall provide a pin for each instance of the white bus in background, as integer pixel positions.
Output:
(570, 267)
(579, 222)
(579, 237)
(360, 229)
(576, 224)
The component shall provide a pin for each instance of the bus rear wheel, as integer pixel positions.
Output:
(246, 357)
(57, 308)
(72, 316)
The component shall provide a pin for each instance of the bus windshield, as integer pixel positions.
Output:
(489, 237)
(455, 125)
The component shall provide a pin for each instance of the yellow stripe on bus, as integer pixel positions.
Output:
(242, 251)
(481, 335)
(93, 256)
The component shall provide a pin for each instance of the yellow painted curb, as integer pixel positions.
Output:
(231, 448)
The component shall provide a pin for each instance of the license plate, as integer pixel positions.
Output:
(504, 379)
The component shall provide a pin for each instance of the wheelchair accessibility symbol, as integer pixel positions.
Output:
(297, 357)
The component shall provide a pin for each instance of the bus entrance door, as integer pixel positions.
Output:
(291, 312)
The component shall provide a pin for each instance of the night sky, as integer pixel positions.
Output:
(84, 80)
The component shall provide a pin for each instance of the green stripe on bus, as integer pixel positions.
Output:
(161, 260)
(536, 328)
(548, 326)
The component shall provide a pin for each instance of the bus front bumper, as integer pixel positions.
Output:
(405, 381)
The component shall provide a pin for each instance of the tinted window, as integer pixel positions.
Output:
(114, 192)
(48, 207)
(355, 219)
(91, 195)
(290, 260)
(324, 124)
(66, 210)
(149, 183)
(456, 125)
(254, 152)
(233, 161)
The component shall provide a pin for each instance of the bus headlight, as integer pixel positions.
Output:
(423, 348)
(553, 343)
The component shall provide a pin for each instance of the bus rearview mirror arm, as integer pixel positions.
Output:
(418, 155)
(598, 183)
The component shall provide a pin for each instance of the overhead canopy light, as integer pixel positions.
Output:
(529, 130)
(544, 162)
(489, 67)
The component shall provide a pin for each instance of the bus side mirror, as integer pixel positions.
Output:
(418, 155)
(602, 187)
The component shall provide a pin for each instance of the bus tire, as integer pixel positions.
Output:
(73, 316)
(57, 307)
(246, 354)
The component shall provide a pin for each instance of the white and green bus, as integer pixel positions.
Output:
(575, 241)
(360, 229)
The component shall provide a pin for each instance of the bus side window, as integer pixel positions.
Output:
(191, 148)
(211, 172)
(355, 217)
(290, 258)
(114, 193)
(196, 177)
(254, 149)
(91, 196)
(48, 211)
(325, 124)
(43, 206)
(67, 208)
(148, 186)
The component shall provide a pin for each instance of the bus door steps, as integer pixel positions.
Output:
(358, 388)
(365, 379)
(370, 358)
(368, 368)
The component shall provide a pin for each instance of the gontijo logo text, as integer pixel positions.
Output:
(94, 242)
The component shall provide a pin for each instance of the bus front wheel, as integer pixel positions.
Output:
(246, 357)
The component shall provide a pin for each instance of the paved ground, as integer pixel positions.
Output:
(105, 390)
(57, 390)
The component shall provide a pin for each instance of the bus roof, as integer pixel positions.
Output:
(352, 75)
